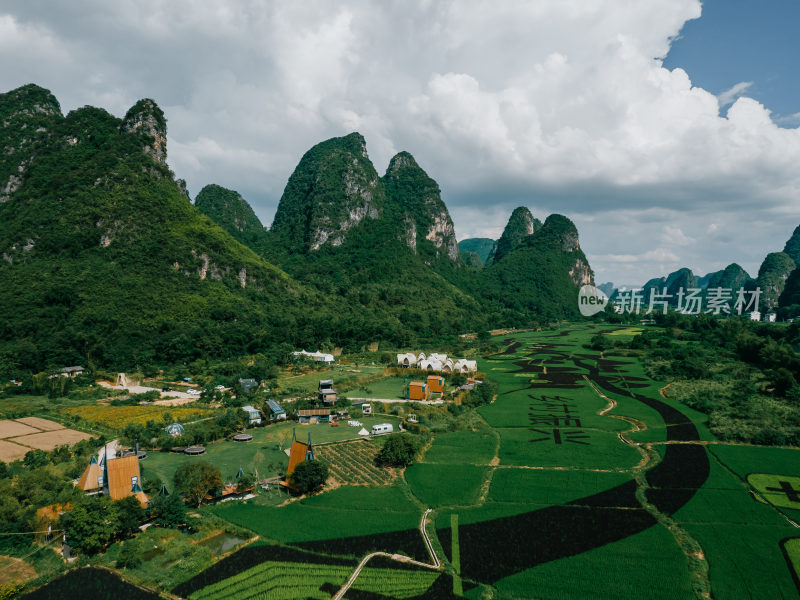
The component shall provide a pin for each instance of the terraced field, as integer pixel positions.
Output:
(584, 482)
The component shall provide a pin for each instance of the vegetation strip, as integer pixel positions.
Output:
(435, 563)
(695, 558)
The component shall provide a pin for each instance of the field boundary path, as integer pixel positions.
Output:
(435, 562)
(695, 557)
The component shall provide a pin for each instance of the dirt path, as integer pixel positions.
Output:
(435, 563)
(695, 557)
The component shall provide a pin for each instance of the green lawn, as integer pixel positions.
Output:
(446, 485)
(550, 487)
(462, 447)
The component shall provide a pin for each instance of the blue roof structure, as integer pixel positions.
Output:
(274, 407)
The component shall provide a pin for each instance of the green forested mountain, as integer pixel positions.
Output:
(483, 247)
(792, 247)
(674, 282)
(520, 225)
(772, 276)
(106, 261)
(231, 212)
(540, 278)
(333, 189)
(731, 277)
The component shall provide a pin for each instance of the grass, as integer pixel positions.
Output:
(445, 485)
(579, 449)
(389, 388)
(343, 377)
(345, 512)
(549, 487)
(462, 447)
(646, 565)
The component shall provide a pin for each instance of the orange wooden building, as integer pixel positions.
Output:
(417, 390)
(435, 384)
(122, 478)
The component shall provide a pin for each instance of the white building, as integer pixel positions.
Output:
(755, 315)
(407, 359)
(462, 365)
(253, 415)
(431, 365)
(316, 356)
(770, 317)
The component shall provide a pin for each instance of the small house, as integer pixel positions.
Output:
(437, 357)
(253, 415)
(248, 385)
(463, 365)
(326, 392)
(298, 453)
(71, 371)
(366, 409)
(92, 479)
(407, 359)
(122, 479)
(755, 315)
(770, 317)
(312, 416)
(417, 390)
(412, 418)
(435, 384)
(276, 412)
(431, 364)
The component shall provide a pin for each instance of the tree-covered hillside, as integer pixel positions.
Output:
(106, 261)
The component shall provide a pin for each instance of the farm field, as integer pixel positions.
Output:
(353, 463)
(17, 437)
(117, 417)
(561, 492)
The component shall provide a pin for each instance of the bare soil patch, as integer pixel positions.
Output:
(10, 451)
(15, 570)
(9, 429)
(39, 423)
(48, 440)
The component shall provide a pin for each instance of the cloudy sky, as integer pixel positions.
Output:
(667, 131)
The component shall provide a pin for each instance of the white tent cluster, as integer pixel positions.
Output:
(436, 362)
(316, 356)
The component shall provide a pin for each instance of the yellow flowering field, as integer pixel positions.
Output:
(117, 417)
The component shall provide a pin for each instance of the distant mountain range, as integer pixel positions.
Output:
(106, 260)
(778, 278)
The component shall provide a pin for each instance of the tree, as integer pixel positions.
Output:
(90, 525)
(309, 476)
(35, 458)
(399, 450)
(169, 511)
(195, 480)
(130, 556)
(3, 470)
(245, 481)
(129, 515)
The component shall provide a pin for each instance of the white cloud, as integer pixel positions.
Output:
(729, 96)
(558, 105)
(674, 236)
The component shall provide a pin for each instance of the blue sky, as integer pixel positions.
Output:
(745, 41)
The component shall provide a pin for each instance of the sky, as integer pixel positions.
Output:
(666, 130)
